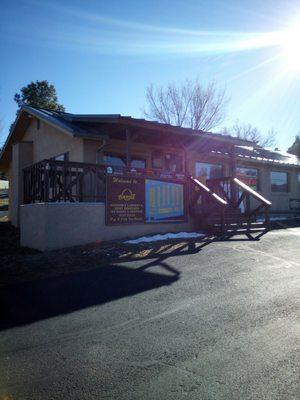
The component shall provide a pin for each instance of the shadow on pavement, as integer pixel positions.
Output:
(27, 302)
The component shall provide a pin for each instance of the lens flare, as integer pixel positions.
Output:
(291, 49)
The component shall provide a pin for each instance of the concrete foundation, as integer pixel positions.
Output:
(49, 226)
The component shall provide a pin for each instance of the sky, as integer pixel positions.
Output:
(102, 55)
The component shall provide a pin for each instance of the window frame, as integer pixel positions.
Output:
(165, 155)
(65, 155)
(258, 188)
(287, 182)
(210, 163)
(121, 156)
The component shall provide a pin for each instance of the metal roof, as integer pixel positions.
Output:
(74, 119)
(79, 125)
(257, 153)
(58, 119)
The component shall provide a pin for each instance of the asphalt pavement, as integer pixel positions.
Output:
(220, 323)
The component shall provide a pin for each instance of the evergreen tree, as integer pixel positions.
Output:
(40, 94)
(295, 147)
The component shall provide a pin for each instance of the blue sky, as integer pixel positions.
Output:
(101, 55)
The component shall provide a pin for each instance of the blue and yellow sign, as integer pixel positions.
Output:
(164, 201)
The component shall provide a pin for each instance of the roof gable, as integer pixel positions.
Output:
(22, 122)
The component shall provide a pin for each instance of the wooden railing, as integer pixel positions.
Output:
(56, 181)
(240, 195)
(209, 194)
(67, 181)
(204, 202)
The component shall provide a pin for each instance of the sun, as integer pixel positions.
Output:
(291, 49)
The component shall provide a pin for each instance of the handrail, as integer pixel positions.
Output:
(64, 163)
(56, 180)
(252, 192)
(204, 187)
(150, 172)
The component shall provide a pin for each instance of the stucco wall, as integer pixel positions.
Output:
(48, 226)
(21, 158)
(49, 142)
(10, 192)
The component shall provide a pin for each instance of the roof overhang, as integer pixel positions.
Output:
(130, 122)
(76, 125)
(22, 122)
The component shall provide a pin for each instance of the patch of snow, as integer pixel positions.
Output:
(155, 238)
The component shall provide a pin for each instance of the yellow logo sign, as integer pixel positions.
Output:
(126, 195)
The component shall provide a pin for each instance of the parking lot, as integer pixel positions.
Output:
(220, 323)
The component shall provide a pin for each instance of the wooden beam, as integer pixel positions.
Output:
(233, 161)
(128, 148)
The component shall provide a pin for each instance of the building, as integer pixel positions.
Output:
(65, 171)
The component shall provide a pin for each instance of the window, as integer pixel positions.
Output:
(119, 160)
(61, 157)
(249, 176)
(167, 161)
(158, 160)
(279, 181)
(113, 160)
(208, 171)
(138, 163)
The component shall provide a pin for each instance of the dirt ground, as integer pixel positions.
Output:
(23, 264)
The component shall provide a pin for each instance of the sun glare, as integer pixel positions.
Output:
(291, 49)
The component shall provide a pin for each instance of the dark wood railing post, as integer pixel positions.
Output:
(247, 209)
(267, 217)
(25, 186)
(233, 192)
(223, 220)
(128, 147)
(247, 204)
(46, 182)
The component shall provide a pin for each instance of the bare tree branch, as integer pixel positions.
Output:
(189, 105)
(249, 132)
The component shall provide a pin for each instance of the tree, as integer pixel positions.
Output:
(2, 174)
(295, 147)
(189, 105)
(39, 94)
(249, 132)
